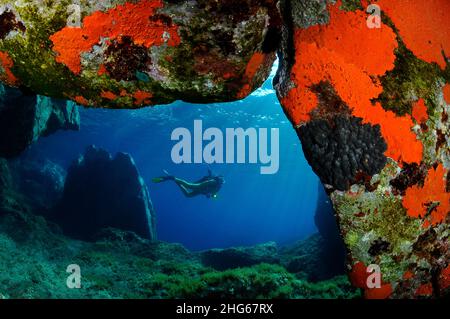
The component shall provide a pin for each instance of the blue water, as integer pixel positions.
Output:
(251, 208)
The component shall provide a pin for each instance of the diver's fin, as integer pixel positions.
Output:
(158, 179)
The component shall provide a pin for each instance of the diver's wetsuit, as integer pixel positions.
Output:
(208, 185)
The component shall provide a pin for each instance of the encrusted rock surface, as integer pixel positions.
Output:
(390, 189)
(119, 53)
(100, 192)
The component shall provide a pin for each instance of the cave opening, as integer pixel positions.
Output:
(250, 209)
(284, 219)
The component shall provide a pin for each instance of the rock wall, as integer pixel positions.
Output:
(39, 181)
(371, 107)
(26, 117)
(313, 259)
(333, 253)
(5, 177)
(101, 192)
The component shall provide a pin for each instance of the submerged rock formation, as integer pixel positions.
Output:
(332, 248)
(368, 94)
(31, 186)
(120, 53)
(101, 192)
(5, 176)
(26, 117)
(5, 179)
(370, 102)
(229, 258)
(313, 259)
(39, 181)
(33, 259)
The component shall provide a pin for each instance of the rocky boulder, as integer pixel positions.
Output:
(135, 53)
(39, 180)
(26, 117)
(101, 192)
(369, 95)
(6, 183)
(5, 175)
(333, 247)
(222, 259)
(313, 258)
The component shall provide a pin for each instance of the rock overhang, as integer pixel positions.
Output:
(130, 54)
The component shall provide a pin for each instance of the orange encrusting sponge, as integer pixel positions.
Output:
(418, 200)
(130, 19)
(351, 57)
(6, 63)
(424, 26)
(253, 66)
(358, 277)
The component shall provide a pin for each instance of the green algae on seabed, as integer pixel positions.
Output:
(262, 281)
(34, 257)
(115, 274)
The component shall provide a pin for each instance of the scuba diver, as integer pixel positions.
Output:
(208, 185)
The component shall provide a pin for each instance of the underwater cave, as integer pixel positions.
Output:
(75, 180)
(224, 149)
